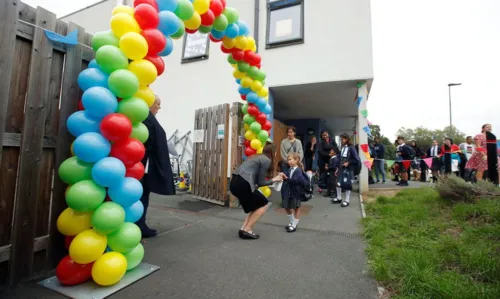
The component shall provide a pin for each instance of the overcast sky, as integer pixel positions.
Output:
(419, 46)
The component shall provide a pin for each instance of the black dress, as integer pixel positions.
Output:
(309, 155)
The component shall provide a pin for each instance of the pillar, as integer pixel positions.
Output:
(362, 122)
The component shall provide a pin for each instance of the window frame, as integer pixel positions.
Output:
(273, 5)
(185, 59)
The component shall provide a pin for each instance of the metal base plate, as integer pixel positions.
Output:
(90, 290)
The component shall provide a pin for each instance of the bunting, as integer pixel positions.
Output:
(367, 130)
(364, 113)
(358, 101)
(364, 147)
(390, 163)
(368, 164)
(428, 161)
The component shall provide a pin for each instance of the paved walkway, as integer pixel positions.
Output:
(201, 256)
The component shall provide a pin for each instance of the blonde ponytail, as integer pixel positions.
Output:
(296, 157)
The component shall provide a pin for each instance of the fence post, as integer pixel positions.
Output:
(236, 148)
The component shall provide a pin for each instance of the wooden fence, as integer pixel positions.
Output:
(38, 91)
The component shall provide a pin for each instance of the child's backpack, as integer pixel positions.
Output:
(308, 188)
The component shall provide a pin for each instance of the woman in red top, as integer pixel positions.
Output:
(479, 160)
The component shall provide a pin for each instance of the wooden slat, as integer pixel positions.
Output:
(225, 154)
(204, 154)
(8, 177)
(217, 154)
(39, 244)
(23, 228)
(70, 94)
(197, 171)
(212, 153)
(8, 20)
(14, 140)
(194, 175)
(236, 150)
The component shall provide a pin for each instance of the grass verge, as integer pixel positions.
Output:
(421, 246)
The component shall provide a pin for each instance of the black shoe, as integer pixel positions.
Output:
(240, 233)
(149, 233)
(336, 200)
(291, 229)
(249, 236)
(344, 204)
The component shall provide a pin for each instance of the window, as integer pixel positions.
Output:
(196, 46)
(285, 23)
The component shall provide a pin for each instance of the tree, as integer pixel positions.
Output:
(424, 137)
(390, 148)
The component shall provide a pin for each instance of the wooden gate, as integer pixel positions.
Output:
(38, 91)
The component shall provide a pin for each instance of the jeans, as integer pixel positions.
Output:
(380, 168)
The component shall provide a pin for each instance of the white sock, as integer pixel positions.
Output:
(295, 222)
(339, 193)
(291, 218)
(347, 195)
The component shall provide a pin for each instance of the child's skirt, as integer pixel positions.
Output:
(291, 203)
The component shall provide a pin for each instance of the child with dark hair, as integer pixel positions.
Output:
(332, 172)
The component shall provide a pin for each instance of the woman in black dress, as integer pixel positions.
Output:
(310, 153)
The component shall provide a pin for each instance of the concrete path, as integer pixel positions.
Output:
(201, 256)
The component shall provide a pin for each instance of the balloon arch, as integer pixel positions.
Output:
(104, 172)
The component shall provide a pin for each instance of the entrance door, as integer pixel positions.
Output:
(279, 130)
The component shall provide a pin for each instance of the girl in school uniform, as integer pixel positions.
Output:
(295, 190)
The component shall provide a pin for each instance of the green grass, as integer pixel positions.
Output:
(421, 246)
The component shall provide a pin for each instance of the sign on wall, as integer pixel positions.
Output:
(195, 46)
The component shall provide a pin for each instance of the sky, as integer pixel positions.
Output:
(419, 46)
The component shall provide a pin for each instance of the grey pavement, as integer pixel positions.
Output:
(201, 256)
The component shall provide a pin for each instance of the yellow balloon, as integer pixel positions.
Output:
(144, 70)
(71, 223)
(134, 45)
(122, 23)
(237, 74)
(146, 94)
(87, 246)
(256, 86)
(246, 82)
(266, 191)
(254, 48)
(123, 8)
(240, 42)
(193, 23)
(249, 135)
(228, 42)
(263, 92)
(250, 43)
(109, 268)
(255, 144)
(260, 150)
(201, 6)
(246, 127)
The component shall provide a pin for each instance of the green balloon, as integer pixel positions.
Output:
(85, 196)
(260, 76)
(231, 14)
(180, 32)
(125, 239)
(255, 127)
(134, 108)
(134, 257)
(123, 83)
(243, 67)
(108, 217)
(253, 72)
(231, 60)
(248, 119)
(140, 132)
(104, 38)
(244, 108)
(263, 136)
(73, 171)
(184, 10)
(110, 59)
(220, 23)
(205, 29)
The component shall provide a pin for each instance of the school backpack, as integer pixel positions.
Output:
(411, 152)
(308, 188)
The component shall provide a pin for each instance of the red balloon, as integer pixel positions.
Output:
(70, 273)
(258, 66)
(158, 62)
(128, 150)
(214, 39)
(249, 151)
(190, 31)
(116, 126)
(80, 106)
(150, 2)
(252, 58)
(261, 118)
(156, 40)
(267, 125)
(253, 110)
(146, 16)
(223, 3)
(67, 241)
(135, 171)
(208, 18)
(243, 97)
(217, 7)
(246, 143)
(238, 55)
(225, 50)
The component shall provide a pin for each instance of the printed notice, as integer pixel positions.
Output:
(220, 131)
(283, 28)
(198, 136)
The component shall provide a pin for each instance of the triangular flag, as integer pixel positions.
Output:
(364, 147)
(359, 100)
(390, 163)
(364, 113)
(406, 164)
(367, 130)
(367, 155)
(428, 161)
(70, 39)
(369, 122)
(368, 164)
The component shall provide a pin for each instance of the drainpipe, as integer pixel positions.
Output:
(256, 23)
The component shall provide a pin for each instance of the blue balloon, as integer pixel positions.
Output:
(244, 91)
(108, 172)
(267, 109)
(93, 64)
(238, 81)
(169, 23)
(80, 123)
(134, 212)
(91, 147)
(92, 77)
(252, 97)
(261, 103)
(167, 5)
(217, 34)
(169, 47)
(232, 30)
(243, 28)
(126, 193)
(108, 249)
(99, 102)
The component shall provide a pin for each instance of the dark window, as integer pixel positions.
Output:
(196, 47)
(285, 23)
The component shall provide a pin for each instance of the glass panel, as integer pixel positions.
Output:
(285, 24)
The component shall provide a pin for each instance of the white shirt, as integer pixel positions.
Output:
(434, 151)
(292, 170)
(147, 166)
(345, 151)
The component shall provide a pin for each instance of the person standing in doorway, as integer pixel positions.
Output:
(289, 145)
(310, 153)
(158, 176)
(324, 149)
(379, 153)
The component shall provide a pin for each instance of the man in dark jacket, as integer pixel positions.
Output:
(158, 177)
(379, 162)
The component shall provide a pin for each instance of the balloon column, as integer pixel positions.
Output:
(104, 191)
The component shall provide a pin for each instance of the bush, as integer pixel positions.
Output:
(456, 189)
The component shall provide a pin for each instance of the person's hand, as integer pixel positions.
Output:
(326, 167)
(277, 178)
(283, 176)
(313, 141)
(346, 164)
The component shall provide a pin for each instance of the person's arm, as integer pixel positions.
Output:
(261, 179)
(283, 150)
(321, 150)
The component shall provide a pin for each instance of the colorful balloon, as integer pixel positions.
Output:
(135, 171)
(184, 10)
(155, 39)
(150, 2)
(248, 119)
(158, 62)
(255, 127)
(85, 196)
(108, 172)
(220, 23)
(194, 22)
(146, 16)
(167, 5)
(109, 269)
(129, 151)
(144, 70)
(256, 144)
(87, 247)
(180, 32)
(99, 101)
(207, 19)
(169, 23)
(134, 212)
(216, 7)
(232, 30)
(69, 273)
(134, 45)
(231, 15)
(108, 218)
(104, 38)
(71, 223)
(91, 147)
(72, 171)
(123, 83)
(125, 239)
(266, 191)
(115, 126)
(250, 151)
(127, 192)
(169, 47)
(140, 132)
(92, 77)
(134, 108)
(249, 135)
(111, 58)
(146, 94)
(80, 123)
(122, 8)
(263, 136)
(122, 23)
(201, 6)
